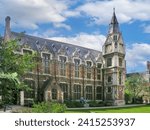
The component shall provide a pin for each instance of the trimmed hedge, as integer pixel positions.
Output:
(73, 104)
(96, 104)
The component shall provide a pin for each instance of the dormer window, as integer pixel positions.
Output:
(115, 37)
(27, 51)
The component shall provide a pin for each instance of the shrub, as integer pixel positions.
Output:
(139, 100)
(108, 103)
(49, 107)
(73, 104)
(95, 104)
(128, 98)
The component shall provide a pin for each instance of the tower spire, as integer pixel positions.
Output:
(113, 10)
(114, 25)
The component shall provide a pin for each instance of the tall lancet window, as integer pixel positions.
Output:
(99, 71)
(88, 91)
(62, 65)
(77, 63)
(46, 63)
(77, 91)
(89, 65)
(120, 78)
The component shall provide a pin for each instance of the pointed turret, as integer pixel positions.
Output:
(114, 25)
(7, 33)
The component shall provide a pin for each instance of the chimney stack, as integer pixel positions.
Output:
(7, 33)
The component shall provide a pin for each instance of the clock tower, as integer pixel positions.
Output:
(114, 64)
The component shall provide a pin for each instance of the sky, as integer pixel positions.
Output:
(84, 23)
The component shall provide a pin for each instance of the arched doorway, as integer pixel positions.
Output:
(54, 94)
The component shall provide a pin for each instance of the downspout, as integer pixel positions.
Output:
(94, 83)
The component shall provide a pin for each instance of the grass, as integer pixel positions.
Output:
(137, 109)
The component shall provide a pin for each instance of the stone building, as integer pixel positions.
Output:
(68, 72)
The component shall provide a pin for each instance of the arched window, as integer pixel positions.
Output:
(99, 92)
(88, 92)
(64, 88)
(54, 94)
(77, 92)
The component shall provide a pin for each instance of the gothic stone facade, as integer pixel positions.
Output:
(69, 72)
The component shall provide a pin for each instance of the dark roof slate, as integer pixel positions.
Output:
(38, 44)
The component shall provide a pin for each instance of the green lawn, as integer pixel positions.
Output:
(137, 109)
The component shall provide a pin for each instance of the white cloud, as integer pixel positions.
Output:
(146, 28)
(58, 25)
(137, 55)
(92, 41)
(30, 13)
(46, 34)
(127, 10)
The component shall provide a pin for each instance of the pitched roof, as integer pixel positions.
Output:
(39, 44)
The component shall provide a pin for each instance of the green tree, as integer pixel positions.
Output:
(7, 80)
(11, 60)
(135, 87)
(13, 65)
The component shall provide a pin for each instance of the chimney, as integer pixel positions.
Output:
(7, 33)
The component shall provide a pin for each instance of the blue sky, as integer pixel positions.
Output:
(84, 23)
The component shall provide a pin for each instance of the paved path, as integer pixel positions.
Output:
(12, 107)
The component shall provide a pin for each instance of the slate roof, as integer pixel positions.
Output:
(39, 44)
